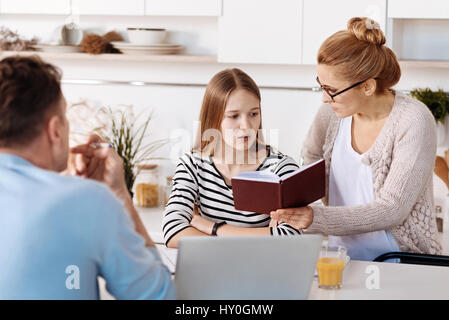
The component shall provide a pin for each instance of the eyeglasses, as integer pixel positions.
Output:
(339, 92)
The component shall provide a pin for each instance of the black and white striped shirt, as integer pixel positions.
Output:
(197, 180)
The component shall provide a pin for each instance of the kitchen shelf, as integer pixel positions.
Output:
(424, 64)
(115, 57)
(178, 58)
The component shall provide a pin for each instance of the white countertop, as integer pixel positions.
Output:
(396, 281)
(152, 220)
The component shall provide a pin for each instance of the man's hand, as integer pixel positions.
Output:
(85, 164)
(102, 164)
(105, 165)
(299, 218)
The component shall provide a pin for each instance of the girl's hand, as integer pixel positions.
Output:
(298, 218)
(202, 224)
(273, 223)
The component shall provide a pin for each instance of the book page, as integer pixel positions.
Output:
(301, 169)
(265, 176)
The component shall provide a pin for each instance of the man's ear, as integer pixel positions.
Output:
(54, 129)
(370, 87)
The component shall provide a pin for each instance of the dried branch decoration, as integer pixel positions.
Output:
(113, 36)
(95, 44)
(11, 41)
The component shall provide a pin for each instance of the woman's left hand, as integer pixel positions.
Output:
(202, 224)
(299, 218)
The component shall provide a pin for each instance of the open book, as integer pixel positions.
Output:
(263, 192)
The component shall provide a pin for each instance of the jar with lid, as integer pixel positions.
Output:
(168, 188)
(147, 186)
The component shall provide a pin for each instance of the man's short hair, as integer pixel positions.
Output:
(29, 90)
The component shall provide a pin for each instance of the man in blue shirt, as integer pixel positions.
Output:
(59, 233)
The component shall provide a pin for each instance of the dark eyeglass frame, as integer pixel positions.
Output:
(341, 91)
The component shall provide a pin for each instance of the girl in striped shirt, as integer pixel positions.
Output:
(229, 141)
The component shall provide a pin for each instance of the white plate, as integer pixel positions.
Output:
(56, 48)
(124, 44)
(153, 50)
(149, 52)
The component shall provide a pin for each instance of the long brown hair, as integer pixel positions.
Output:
(360, 54)
(215, 99)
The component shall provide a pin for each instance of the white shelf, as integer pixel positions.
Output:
(424, 64)
(182, 58)
(115, 57)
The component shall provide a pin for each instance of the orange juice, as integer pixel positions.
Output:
(330, 272)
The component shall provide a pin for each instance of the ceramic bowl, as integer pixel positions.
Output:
(146, 36)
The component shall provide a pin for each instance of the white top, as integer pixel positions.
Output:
(350, 184)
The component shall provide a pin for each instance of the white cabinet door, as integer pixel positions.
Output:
(109, 7)
(183, 7)
(260, 31)
(429, 9)
(35, 7)
(322, 18)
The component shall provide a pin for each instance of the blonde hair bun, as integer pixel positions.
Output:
(366, 29)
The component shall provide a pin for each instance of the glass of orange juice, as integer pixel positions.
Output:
(330, 267)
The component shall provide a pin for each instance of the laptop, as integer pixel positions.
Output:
(249, 268)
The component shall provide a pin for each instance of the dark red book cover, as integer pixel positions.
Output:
(265, 192)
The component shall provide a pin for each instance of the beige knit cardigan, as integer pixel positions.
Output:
(402, 159)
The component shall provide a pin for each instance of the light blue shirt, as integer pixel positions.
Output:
(59, 233)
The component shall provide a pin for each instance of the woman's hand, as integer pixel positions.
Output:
(299, 218)
(202, 224)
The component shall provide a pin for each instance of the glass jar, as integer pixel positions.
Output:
(168, 188)
(147, 186)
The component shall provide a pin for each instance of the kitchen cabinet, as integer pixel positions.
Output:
(260, 31)
(109, 7)
(183, 7)
(35, 7)
(322, 18)
(430, 9)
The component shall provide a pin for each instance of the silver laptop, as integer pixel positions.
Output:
(253, 268)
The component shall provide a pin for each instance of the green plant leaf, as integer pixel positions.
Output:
(127, 141)
(436, 101)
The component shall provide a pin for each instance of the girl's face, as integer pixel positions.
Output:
(241, 120)
(345, 104)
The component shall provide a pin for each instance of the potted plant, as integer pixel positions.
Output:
(438, 104)
(117, 127)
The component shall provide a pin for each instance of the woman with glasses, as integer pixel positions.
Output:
(379, 146)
